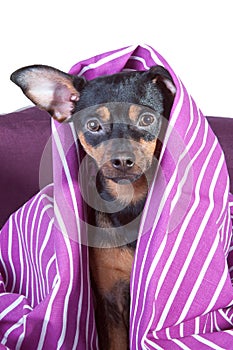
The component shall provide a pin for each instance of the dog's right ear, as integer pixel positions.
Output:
(50, 89)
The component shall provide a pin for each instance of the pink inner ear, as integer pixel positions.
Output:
(170, 86)
(63, 102)
(167, 83)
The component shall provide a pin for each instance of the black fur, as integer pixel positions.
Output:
(128, 87)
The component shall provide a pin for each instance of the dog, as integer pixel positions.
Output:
(119, 120)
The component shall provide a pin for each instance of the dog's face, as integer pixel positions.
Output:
(117, 117)
(120, 137)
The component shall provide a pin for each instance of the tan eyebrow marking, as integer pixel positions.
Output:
(104, 113)
(134, 112)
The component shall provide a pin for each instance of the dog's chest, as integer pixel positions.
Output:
(110, 273)
(109, 266)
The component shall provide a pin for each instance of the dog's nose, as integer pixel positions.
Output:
(123, 162)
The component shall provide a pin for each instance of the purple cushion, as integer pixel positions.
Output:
(24, 135)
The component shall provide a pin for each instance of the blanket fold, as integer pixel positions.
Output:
(181, 289)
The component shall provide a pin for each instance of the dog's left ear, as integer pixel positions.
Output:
(50, 89)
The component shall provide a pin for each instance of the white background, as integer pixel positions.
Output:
(195, 37)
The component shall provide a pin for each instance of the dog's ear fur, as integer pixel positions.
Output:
(162, 79)
(159, 75)
(50, 89)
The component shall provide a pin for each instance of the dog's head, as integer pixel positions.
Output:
(117, 117)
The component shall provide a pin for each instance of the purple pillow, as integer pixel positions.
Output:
(23, 136)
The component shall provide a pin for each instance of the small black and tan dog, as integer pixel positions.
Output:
(118, 119)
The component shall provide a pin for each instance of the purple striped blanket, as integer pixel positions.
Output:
(181, 290)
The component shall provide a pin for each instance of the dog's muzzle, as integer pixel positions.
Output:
(123, 162)
(123, 165)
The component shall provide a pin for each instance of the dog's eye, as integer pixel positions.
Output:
(146, 119)
(93, 125)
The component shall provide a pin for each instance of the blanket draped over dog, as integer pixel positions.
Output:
(181, 290)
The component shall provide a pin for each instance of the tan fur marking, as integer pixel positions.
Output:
(104, 113)
(140, 189)
(103, 221)
(149, 146)
(109, 265)
(134, 112)
(119, 338)
(129, 193)
(96, 152)
(85, 145)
